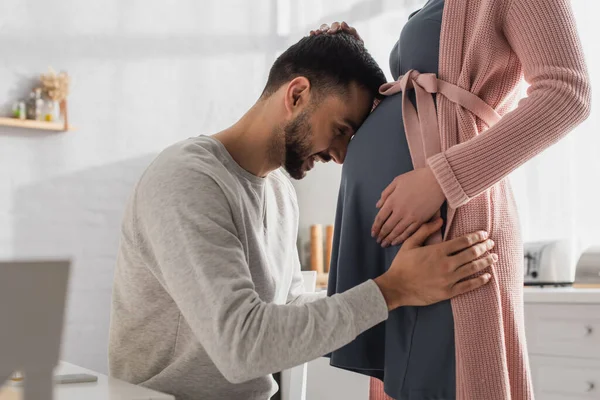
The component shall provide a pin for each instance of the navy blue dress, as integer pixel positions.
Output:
(413, 351)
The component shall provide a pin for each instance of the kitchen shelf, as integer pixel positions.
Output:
(30, 124)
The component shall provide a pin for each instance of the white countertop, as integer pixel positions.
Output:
(106, 388)
(562, 295)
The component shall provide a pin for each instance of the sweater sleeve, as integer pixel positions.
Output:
(543, 35)
(187, 226)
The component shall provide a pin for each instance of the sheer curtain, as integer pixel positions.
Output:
(557, 192)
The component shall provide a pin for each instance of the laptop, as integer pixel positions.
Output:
(32, 308)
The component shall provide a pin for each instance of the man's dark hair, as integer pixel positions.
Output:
(330, 62)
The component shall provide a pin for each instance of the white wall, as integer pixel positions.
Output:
(145, 74)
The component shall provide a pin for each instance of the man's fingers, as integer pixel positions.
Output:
(472, 253)
(456, 245)
(470, 285)
(474, 267)
(421, 235)
(334, 27)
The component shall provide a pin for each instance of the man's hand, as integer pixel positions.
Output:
(423, 275)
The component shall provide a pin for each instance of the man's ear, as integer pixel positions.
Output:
(297, 95)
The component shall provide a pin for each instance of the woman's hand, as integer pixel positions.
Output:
(335, 28)
(408, 202)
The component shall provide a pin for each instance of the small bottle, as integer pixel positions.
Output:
(31, 106)
(51, 110)
(16, 110)
(39, 105)
(22, 108)
(35, 105)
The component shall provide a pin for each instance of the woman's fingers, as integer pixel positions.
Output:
(380, 219)
(334, 27)
(397, 239)
(386, 193)
(396, 230)
(393, 222)
(351, 30)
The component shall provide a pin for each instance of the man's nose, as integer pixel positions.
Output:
(338, 154)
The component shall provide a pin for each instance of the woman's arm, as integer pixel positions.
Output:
(543, 35)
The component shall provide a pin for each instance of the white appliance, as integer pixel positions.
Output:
(588, 267)
(550, 263)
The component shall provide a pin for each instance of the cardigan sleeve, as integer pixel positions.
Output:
(543, 35)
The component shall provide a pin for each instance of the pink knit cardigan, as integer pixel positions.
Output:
(486, 48)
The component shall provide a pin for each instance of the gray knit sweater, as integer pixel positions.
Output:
(208, 296)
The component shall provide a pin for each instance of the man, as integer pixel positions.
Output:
(208, 296)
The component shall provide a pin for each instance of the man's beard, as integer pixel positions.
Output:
(298, 135)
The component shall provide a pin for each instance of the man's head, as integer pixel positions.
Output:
(325, 86)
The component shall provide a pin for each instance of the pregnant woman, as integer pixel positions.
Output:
(443, 141)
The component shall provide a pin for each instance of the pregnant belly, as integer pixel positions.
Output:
(376, 155)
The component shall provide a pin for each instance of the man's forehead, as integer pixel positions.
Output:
(351, 107)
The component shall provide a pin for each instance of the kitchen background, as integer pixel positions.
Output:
(147, 73)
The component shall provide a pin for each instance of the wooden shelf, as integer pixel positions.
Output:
(30, 124)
